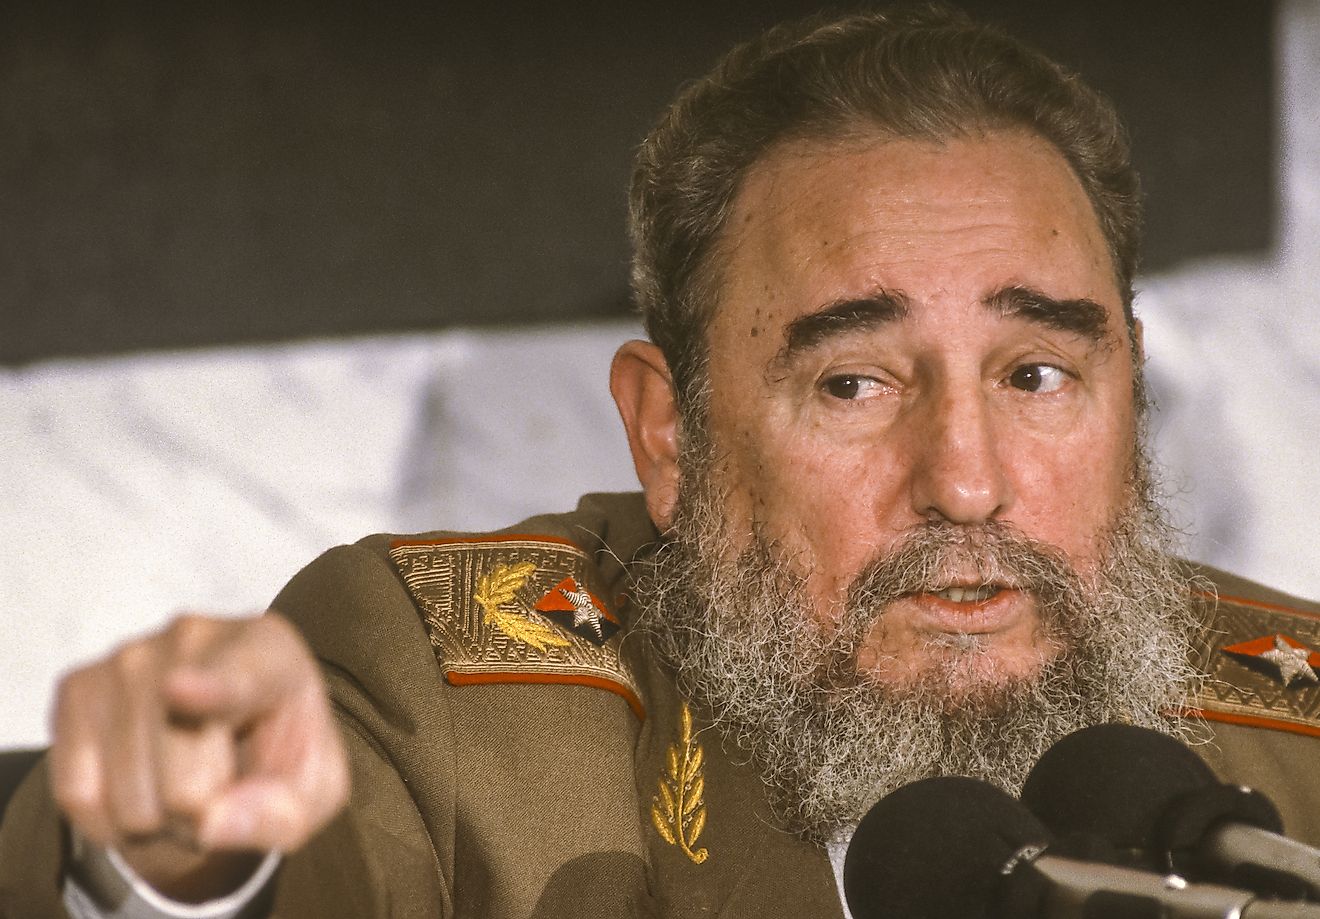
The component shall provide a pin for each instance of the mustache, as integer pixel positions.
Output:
(935, 556)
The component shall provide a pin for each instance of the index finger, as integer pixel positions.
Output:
(247, 668)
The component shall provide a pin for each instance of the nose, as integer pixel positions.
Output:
(958, 475)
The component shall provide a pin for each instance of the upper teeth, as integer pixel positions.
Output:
(968, 594)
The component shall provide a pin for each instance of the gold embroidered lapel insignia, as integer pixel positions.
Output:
(1281, 656)
(499, 588)
(678, 809)
(478, 598)
(1262, 668)
(578, 610)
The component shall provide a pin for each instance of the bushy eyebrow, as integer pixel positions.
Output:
(1079, 316)
(840, 318)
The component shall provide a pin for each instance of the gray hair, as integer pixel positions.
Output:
(925, 73)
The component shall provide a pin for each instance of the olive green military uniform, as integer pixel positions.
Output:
(516, 751)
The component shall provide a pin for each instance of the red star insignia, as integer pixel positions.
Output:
(1284, 656)
(578, 610)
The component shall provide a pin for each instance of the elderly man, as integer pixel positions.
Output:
(896, 522)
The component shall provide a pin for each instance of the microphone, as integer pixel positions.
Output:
(1142, 790)
(958, 848)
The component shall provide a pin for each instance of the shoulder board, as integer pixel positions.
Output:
(1263, 666)
(515, 609)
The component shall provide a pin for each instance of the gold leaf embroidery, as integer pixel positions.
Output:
(500, 586)
(698, 787)
(694, 765)
(661, 826)
(697, 825)
(678, 809)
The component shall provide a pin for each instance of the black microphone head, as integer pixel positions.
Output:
(936, 849)
(1114, 780)
(1190, 818)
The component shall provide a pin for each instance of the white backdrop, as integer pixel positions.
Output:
(134, 487)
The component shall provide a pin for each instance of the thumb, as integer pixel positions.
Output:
(271, 813)
(258, 813)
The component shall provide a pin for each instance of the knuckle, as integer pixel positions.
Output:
(75, 716)
(134, 657)
(242, 638)
(278, 628)
(188, 629)
(74, 689)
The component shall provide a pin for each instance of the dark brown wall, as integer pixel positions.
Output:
(196, 174)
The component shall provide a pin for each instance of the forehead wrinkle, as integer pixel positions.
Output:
(1079, 315)
(838, 318)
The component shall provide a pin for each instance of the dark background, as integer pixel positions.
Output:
(186, 175)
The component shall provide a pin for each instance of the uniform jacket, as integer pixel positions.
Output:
(516, 751)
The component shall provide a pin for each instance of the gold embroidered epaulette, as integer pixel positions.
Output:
(1263, 663)
(515, 609)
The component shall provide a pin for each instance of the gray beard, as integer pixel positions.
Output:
(831, 741)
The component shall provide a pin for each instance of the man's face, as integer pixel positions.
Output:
(910, 529)
(911, 332)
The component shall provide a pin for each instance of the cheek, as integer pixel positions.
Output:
(1072, 489)
(821, 506)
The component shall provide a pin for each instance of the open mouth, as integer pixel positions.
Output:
(977, 594)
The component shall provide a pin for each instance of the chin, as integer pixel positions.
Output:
(962, 670)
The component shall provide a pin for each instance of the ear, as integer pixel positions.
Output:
(644, 392)
(1139, 340)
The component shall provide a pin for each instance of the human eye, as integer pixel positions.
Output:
(851, 387)
(1038, 378)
